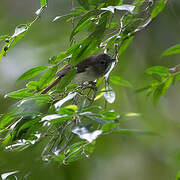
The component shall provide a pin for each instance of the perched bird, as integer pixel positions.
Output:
(89, 69)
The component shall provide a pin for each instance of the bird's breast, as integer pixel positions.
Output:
(88, 75)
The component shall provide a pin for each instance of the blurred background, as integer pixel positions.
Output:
(116, 156)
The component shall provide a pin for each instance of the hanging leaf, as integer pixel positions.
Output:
(80, 27)
(158, 8)
(43, 2)
(158, 92)
(20, 94)
(172, 50)
(167, 84)
(47, 77)
(108, 127)
(124, 45)
(84, 4)
(110, 115)
(32, 85)
(68, 110)
(32, 72)
(177, 77)
(73, 14)
(132, 114)
(120, 81)
(159, 70)
(3, 37)
(67, 79)
(83, 22)
(178, 176)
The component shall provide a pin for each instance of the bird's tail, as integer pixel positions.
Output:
(56, 81)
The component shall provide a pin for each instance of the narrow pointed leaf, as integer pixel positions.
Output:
(20, 94)
(47, 77)
(32, 72)
(120, 81)
(158, 8)
(172, 50)
(43, 2)
(3, 37)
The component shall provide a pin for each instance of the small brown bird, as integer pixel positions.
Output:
(90, 69)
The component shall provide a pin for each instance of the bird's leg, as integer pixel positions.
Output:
(94, 88)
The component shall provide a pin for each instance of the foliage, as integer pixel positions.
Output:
(163, 77)
(66, 119)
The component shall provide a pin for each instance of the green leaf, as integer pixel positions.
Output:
(158, 8)
(67, 54)
(3, 37)
(159, 70)
(96, 119)
(84, 4)
(19, 33)
(54, 118)
(20, 94)
(67, 79)
(143, 89)
(28, 124)
(3, 52)
(158, 92)
(124, 45)
(80, 27)
(72, 107)
(167, 84)
(90, 44)
(6, 119)
(73, 14)
(32, 85)
(32, 72)
(37, 98)
(132, 114)
(109, 126)
(177, 77)
(29, 106)
(69, 110)
(120, 81)
(178, 176)
(172, 50)
(47, 77)
(43, 2)
(83, 22)
(94, 109)
(110, 115)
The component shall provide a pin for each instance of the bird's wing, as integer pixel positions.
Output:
(83, 65)
(63, 71)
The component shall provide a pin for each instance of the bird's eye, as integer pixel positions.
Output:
(102, 62)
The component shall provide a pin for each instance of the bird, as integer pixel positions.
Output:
(88, 70)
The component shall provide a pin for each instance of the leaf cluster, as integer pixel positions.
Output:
(65, 118)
